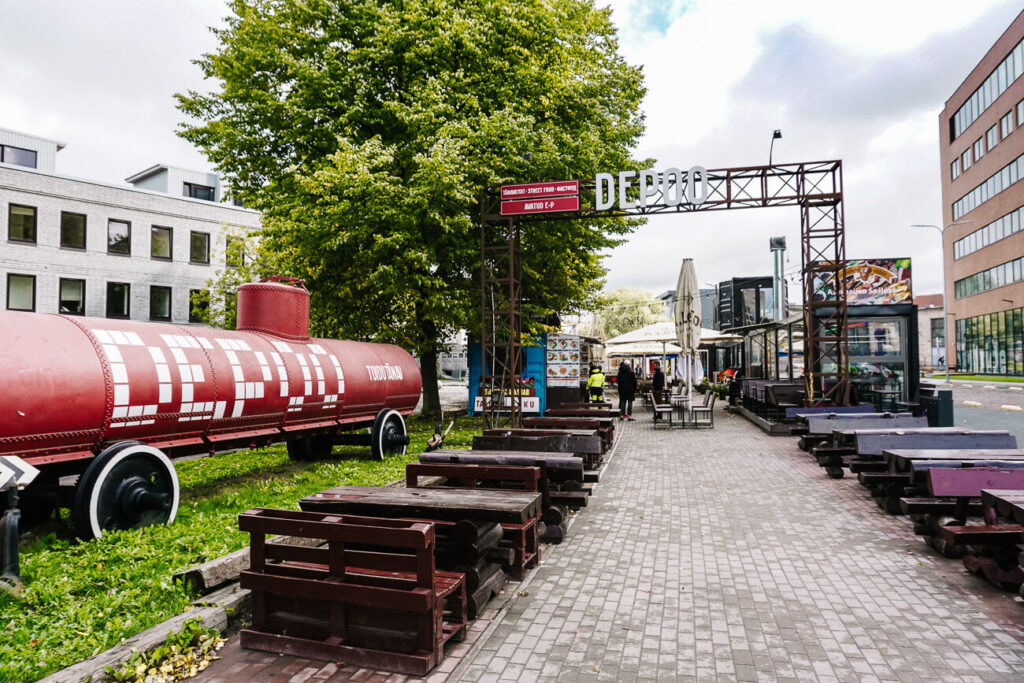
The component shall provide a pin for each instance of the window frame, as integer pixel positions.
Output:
(965, 159)
(7, 296)
(992, 137)
(85, 231)
(227, 252)
(1006, 125)
(119, 253)
(192, 234)
(60, 290)
(192, 318)
(188, 189)
(955, 168)
(170, 242)
(979, 149)
(35, 223)
(34, 152)
(170, 303)
(128, 301)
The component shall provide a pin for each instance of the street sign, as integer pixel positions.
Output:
(15, 472)
(552, 205)
(538, 190)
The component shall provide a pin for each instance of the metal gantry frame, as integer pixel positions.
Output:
(815, 187)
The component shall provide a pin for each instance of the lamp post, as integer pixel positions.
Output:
(945, 297)
(776, 135)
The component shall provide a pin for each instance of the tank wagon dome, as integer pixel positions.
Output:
(277, 306)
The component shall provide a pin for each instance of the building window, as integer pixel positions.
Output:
(159, 303)
(234, 252)
(72, 297)
(979, 149)
(161, 243)
(21, 223)
(1020, 113)
(997, 82)
(996, 183)
(21, 292)
(991, 343)
(956, 169)
(72, 230)
(198, 304)
(992, 137)
(196, 191)
(965, 158)
(118, 299)
(199, 247)
(18, 156)
(119, 237)
(1006, 125)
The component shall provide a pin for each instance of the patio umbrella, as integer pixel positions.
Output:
(687, 320)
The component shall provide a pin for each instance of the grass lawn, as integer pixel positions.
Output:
(82, 598)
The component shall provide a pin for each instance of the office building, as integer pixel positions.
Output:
(982, 165)
(83, 247)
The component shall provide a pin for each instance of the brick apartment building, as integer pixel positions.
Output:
(82, 247)
(981, 134)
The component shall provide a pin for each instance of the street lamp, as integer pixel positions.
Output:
(776, 135)
(945, 297)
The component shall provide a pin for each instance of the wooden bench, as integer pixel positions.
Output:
(383, 609)
(521, 538)
(821, 428)
(586, 444)
(780, 397)
(604, 425)
(581, 412)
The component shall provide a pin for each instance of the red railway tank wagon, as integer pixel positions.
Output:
(114, 401)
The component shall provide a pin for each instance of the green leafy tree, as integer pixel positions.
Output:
(364, 131)
(626, 310)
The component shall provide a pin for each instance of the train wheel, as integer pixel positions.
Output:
(128, 486)
(307, 448)
(388, 436)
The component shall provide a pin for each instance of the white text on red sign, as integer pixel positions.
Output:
(540, 205)
(537, 190)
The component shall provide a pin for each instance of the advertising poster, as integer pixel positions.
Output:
(871, 282)
(564, 360)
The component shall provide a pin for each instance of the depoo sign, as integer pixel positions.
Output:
(640, 189)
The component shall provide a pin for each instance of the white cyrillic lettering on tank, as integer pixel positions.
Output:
(380, 373)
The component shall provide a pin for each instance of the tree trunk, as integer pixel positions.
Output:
(431, 395)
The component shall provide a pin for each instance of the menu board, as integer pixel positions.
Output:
(870, 282)
(564, 360)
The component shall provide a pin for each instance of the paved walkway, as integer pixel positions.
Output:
(728, 554)
(724, 554)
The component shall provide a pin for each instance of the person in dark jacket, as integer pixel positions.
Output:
(658, 382)
(626, 382)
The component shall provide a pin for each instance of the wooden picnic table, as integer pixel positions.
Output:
(905, 459)
(873, 441)
(1005, 503)
(513, 507)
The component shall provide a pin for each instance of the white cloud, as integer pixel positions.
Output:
(862, 82)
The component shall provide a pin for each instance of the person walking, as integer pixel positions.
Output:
(658, 382)
(595, 385)
(626, 381)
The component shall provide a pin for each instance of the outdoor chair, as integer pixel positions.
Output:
(661, 411)
(704, 416)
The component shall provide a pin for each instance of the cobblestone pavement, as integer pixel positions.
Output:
(727, 554)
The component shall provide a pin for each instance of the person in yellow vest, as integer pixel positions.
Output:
(595, 384)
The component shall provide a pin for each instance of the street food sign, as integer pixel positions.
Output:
(871, 282)
(532, 198)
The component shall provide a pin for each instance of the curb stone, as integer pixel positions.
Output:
(215, 610)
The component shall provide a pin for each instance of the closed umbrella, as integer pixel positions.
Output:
(687, 319)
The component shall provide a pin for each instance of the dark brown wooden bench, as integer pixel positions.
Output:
(604, 425)
(780, 397)
(388, 608)
(586, 444)
(521, 538)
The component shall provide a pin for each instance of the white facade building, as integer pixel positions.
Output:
(84, 247)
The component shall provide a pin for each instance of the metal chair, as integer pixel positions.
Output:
(708, 413)
(661, 411)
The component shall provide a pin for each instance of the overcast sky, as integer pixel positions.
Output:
(859, 81)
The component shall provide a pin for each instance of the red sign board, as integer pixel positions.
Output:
(551, 205)
(538, 190)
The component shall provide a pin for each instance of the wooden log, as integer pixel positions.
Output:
(553, 514)
(503, 556)
(209, 575)
(479, 573)
(471, 531)
(479, 598)
(554, 533)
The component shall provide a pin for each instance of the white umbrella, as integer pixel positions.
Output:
(687, 320)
